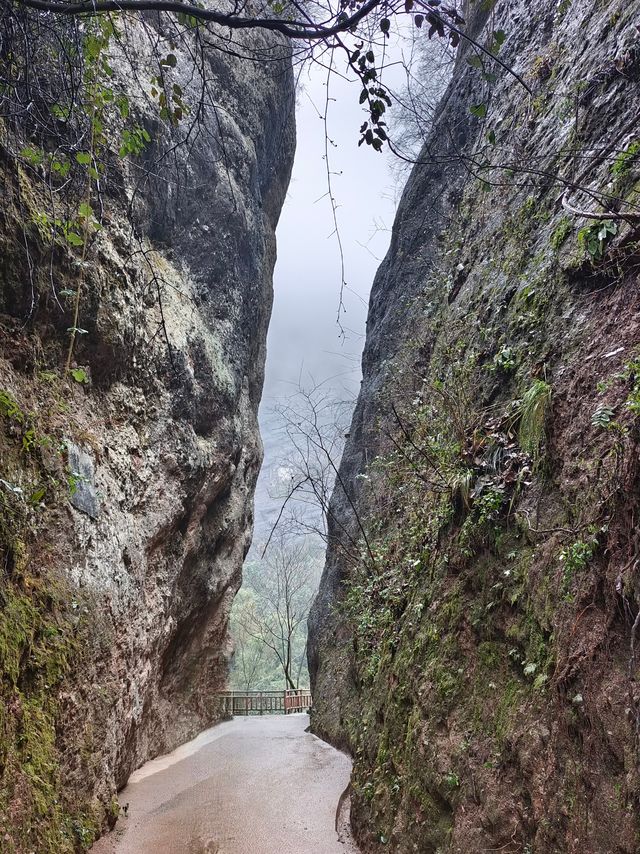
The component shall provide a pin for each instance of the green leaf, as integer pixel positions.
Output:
(73, 238)
(491, 137)
(38, 495)
(602, 416)
(83, 158)
(60, 112)
(35, 156)
(79, 375)
(385, 24)
(61, 167)
(85, 210)
(122, 103)
(499, 37)
(170, 60)
(478, 110)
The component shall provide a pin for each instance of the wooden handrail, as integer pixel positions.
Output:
(265, 702)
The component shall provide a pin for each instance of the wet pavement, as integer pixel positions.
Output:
(254, 785)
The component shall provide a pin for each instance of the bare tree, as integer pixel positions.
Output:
(249, 653)
(316, 422)
(276, 614)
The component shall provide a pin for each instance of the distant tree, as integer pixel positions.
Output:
(250, 664)
(316, 426)
(274, 615)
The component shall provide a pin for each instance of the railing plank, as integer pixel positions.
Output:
(265, 702)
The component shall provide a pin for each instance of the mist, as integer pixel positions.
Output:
(313, 338)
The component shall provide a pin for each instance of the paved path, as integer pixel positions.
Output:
(257, 785)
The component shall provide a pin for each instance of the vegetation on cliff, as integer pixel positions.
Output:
(43, 628)
(479, 656)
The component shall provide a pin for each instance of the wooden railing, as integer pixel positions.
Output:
(265, 702)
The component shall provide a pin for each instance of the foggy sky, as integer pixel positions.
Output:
(304, 342)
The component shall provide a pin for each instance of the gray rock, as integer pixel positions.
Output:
(176, 312)
(83, 489)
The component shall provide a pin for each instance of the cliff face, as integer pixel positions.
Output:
(127, 495)
(473, 641)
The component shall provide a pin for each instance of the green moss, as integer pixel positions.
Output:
(436, 822)
(519, 233)
(506, 711)
(535, 652)
(490, 655)
(560, 233)
(37, 644)
(626, 160)
(574, 559)
(34, 657)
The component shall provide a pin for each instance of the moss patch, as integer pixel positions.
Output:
(39, 639)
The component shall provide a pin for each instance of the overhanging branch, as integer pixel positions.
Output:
(292, 29)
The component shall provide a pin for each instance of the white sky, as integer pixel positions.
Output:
(304, 340)
(304, 333)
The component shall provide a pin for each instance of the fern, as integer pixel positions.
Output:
(602, 416)
(533, 413)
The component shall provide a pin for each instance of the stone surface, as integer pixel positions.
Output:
(449, 659)
(160, 438)
(83, 489)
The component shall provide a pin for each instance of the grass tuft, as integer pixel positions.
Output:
(533, 410)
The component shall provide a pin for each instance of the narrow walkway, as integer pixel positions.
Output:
(254, 785)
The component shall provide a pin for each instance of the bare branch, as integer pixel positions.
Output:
(292, 29)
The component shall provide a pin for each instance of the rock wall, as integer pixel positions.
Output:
(127, 488)
(473, 641)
